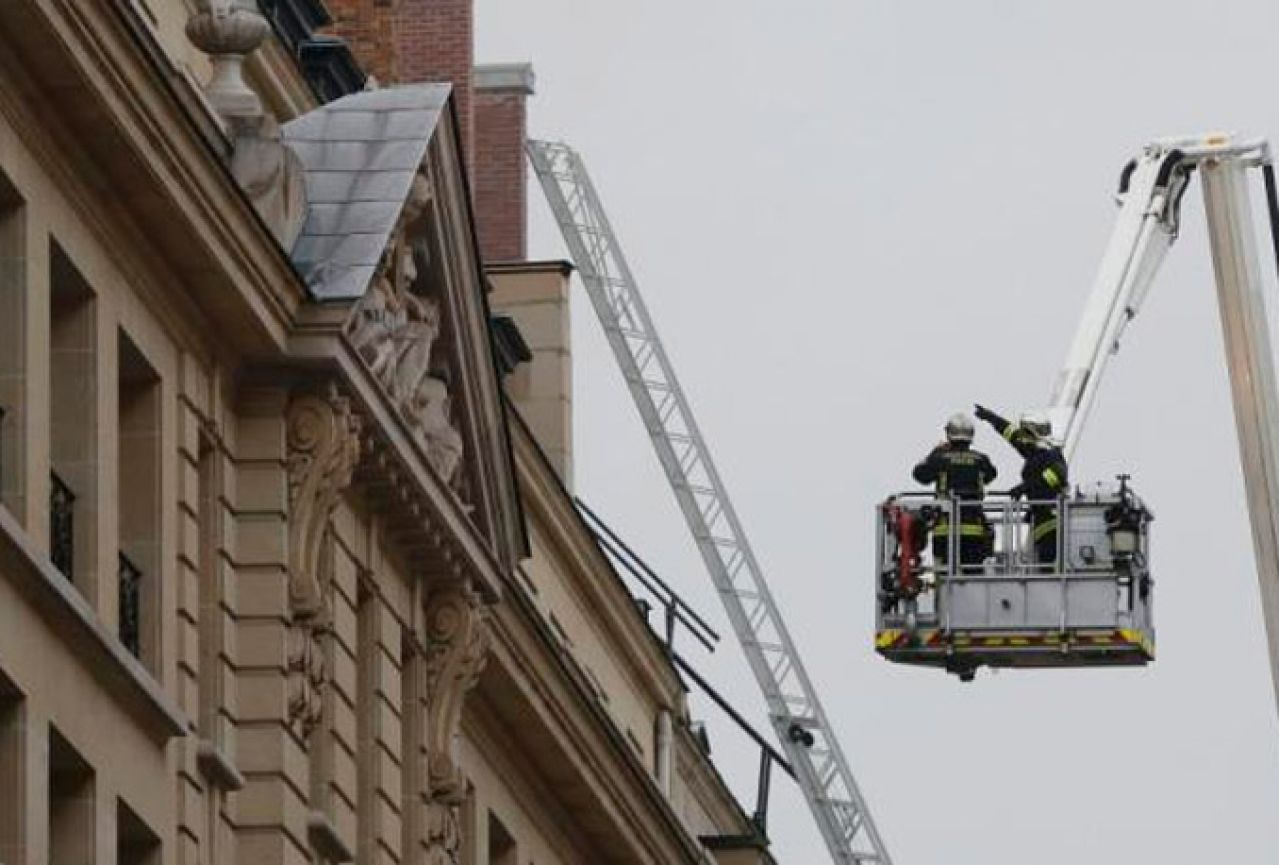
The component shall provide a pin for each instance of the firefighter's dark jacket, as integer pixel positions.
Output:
(957, 470)
(1044, 473)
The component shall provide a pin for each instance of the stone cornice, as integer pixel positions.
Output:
(319, 345)
(516, 77)
(51, 147)
(706, 782)
(560, 700)
(500, 745)
(137, 118)
(499, 497)
(65, 610)
(545, 497)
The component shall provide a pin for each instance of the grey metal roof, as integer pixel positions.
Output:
(359, 154)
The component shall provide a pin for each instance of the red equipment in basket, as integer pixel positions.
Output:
(910, 531)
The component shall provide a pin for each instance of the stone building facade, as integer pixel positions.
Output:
(289, 568)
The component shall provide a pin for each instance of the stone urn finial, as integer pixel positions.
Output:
(229, 30)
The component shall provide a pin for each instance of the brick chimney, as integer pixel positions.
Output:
(499, 167)
(436, 42)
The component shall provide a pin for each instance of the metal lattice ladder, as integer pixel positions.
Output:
(794, 709)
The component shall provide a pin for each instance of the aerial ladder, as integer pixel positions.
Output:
(795, 711)
(1092, 604)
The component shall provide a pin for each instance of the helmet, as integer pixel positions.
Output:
(959, 429)
(1037, 423)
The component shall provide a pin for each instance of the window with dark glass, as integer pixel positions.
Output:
(502, 849)
(139, 499)
(13, 348)
(73, 366)
(136, 844)
(72, 808)
(12, 759)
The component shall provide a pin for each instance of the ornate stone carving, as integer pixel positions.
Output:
(323, 449)
(228, 30)
(455, 653)
(395, 329)
(308, 673)
(271, 175)
(443, 833)
(456, 650)
(431, 419)
(268, 171)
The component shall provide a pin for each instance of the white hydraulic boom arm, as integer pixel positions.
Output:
(1150, 196)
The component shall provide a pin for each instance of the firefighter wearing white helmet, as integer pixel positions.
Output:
(959, 471)
(1044, 476)
(960, 429)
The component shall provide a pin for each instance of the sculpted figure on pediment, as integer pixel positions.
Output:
(271, 175)
(267, 169)
(396, 328)
(431, 417)
(373, 328)
(417, 337)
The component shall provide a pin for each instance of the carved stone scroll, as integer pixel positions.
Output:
(323, 449)
(456, 650)
(457, 645)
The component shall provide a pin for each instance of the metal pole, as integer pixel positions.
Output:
(761, 797)
(1244, 321)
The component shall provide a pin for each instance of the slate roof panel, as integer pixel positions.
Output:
(359, 154)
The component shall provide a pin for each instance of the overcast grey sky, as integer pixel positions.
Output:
(851, 218)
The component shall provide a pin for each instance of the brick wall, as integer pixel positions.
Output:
(499, 167)
(435, 43)
(368, 26)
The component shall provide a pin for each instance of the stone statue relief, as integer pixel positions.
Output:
(395, 329)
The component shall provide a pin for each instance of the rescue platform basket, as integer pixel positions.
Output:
(961, 585)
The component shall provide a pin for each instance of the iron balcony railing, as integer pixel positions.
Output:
(130, 605)
(62, 526)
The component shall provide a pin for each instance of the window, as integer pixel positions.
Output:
(139, 500)
(135, 843)
(72, 424)
(13, 350)
(502, 849)
(71, 804)
(12, 756)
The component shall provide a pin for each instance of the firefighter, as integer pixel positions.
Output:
(1044, 475)
(960, 471)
